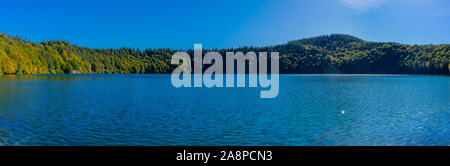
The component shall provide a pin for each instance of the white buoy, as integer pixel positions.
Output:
(342, 112)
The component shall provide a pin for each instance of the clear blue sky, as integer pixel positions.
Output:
(224, 23)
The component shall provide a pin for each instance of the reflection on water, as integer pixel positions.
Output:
(147, 110)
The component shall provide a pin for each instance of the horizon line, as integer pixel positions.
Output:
(26, 39)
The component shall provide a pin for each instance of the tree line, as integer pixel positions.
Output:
(336, 53)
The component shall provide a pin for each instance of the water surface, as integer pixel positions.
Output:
(147, 110)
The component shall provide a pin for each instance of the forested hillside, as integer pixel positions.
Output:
(324, 54)
(58, 57)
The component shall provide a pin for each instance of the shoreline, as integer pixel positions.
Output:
(293, 74)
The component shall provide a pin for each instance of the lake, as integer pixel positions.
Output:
(147, 110)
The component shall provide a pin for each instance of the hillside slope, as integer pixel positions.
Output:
(334, 53)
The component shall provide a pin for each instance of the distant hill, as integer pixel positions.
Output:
(336, 53)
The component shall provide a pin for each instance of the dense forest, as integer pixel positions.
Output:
(334, 53)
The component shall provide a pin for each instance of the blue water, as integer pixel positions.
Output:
(147, 110)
